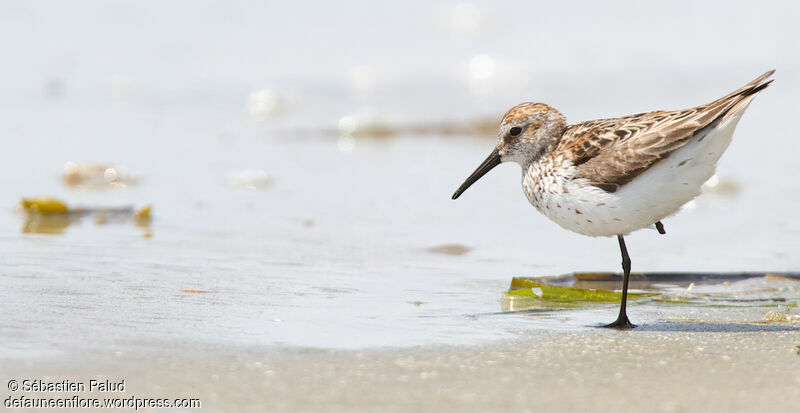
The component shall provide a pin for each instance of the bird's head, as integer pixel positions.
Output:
(526, 132)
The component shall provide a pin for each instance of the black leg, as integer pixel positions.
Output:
(622, 320)
(660, 228)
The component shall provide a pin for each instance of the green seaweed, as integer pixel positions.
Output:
(569, 294)
(532, 294)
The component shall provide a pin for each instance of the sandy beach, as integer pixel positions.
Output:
(661, 367)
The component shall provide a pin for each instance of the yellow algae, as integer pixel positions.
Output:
(143, 213)
(193, 290)
(44, 205)
(141, 218)
(47, 215)
(569, 294)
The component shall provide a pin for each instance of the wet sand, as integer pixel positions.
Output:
(659, 367)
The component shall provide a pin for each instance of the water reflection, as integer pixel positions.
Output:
(47, 224)
(51, 216)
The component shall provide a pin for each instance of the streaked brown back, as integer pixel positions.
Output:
(612, 152)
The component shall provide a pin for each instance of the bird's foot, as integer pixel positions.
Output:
(622, 322)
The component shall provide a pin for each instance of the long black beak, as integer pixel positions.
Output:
(487, 165)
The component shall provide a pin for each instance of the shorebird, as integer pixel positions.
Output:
(610, 177)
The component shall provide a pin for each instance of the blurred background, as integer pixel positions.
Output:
(299, 158)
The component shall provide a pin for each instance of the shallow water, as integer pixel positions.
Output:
(342, 247)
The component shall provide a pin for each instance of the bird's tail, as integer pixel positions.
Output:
(747, 93)
(735, 102)
(757, 85)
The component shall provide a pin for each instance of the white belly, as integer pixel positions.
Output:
(656, 193)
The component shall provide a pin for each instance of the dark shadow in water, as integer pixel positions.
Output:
(713, 327)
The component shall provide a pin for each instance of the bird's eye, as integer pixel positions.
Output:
(515, 131)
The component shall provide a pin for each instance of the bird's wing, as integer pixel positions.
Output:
(609, 153)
